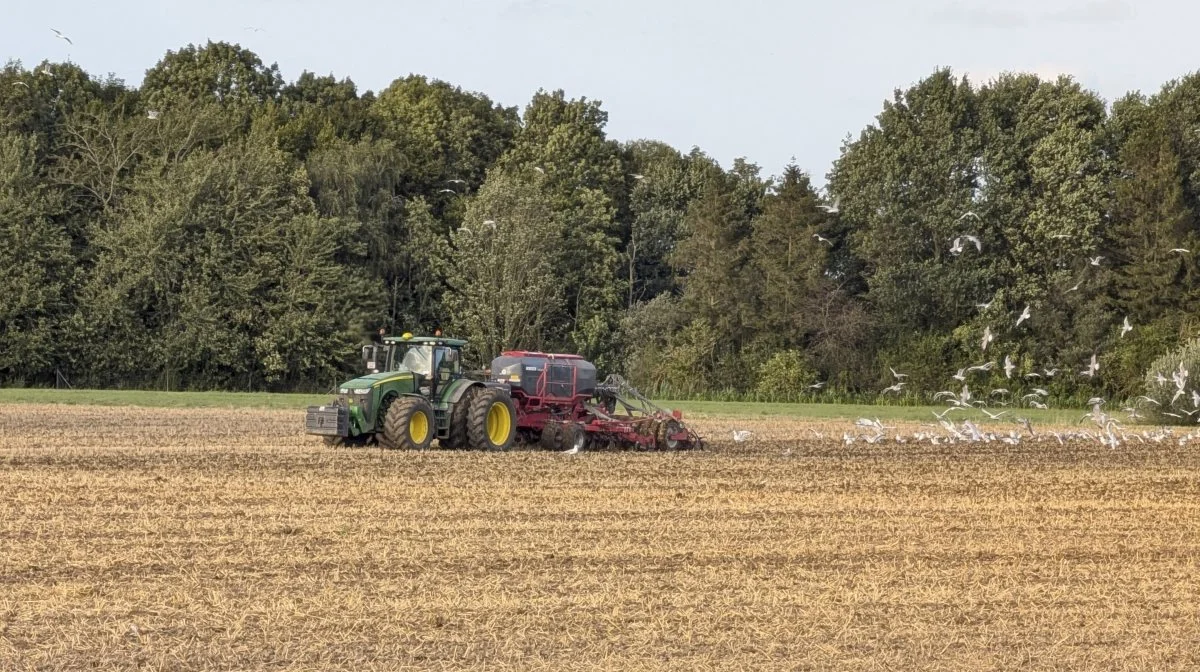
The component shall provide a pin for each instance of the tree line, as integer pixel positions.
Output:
(219, 228)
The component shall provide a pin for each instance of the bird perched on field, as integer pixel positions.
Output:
(740, 435)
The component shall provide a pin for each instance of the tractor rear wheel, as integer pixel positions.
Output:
(408, 425)
(492, 420)
(460, 415)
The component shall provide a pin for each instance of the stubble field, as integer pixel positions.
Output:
(226, 539)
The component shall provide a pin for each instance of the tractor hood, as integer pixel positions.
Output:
(371, 380)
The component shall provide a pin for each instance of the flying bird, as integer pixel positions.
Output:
(456, 181)
(255, 29)
(1126, 327)
(898, 376)
(894, 388)
(1094, 261)
(1092, 368)
(447, 191)
(822, 239)
(1181, 250)
(152, 114)
(987, 337)
(60, 36)
(832, 209)
(985, 306)
(967, 214)
(1008, 366)
(1024, 315)
(20, 83)
(637, 176)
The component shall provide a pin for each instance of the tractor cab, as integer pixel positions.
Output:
(434, 359)
(434, 362)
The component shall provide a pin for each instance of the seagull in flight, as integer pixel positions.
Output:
(456, 181)
(967, 214)
(447, 191)
(1094, 261)
(832, 209)
(60, 36)
(823, 239)
(1126, 327)
(898, 376)
(1092, 368)
(987, 337)
(256, 29)
(20, 83)
(1008, 366)
(1024, 315)
(1181, 250)
(986, 306)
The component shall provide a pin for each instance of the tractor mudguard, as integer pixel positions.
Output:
(459, 387)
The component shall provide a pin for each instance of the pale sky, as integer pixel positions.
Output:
(767, 80)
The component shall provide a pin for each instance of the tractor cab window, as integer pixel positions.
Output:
(445, 363)
(417, 359)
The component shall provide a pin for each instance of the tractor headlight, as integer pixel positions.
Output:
(363, 390)
(343, 391)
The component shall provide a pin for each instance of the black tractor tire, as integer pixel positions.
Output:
(575, 437)
(408, 425)
(460, 415)
(491, 420)
(552, 436)
(663, 440)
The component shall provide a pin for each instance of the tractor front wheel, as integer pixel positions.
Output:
(491, 421)
(408, 424)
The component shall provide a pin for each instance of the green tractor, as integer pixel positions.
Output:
(415, 391)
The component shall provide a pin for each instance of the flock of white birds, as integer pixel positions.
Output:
(1109, 430)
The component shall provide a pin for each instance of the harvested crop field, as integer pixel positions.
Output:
(225, 538)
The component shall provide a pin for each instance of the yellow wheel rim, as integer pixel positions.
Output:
(499, 423)
(418, 427)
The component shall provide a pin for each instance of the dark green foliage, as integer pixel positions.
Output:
(218, 227)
